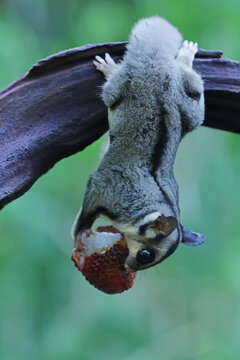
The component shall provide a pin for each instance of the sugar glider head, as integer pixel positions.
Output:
(154, 239)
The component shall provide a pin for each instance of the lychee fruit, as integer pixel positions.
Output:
(100, 256)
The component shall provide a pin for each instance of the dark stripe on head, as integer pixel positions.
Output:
(105, 211)
(142, 229)
(85, 221)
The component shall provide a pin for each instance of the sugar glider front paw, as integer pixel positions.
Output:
(187, 52)
(105, 66)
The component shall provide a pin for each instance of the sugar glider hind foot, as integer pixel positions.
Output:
(187, 52)
(106, 66)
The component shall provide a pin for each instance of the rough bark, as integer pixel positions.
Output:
(55, 110)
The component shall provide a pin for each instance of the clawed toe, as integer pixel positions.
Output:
(188, 51)
(106, 66)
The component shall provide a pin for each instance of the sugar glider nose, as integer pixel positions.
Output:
(130, 265)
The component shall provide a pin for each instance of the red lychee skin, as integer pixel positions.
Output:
(106, 271)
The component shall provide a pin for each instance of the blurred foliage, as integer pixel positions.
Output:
(187, 307)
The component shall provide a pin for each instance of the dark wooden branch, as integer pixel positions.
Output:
(55, 110)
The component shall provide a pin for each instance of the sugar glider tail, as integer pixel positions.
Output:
(153, 37)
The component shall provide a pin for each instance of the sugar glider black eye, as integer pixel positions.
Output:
(145, 256)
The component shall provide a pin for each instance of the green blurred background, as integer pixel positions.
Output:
(187, 307)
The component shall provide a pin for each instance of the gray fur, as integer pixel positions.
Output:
(159, 99)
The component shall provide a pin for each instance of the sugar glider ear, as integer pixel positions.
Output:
(164, 224)
(192, 238)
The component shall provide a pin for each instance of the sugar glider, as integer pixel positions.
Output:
(154, 97)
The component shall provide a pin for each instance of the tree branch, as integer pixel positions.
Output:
(55, 110)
